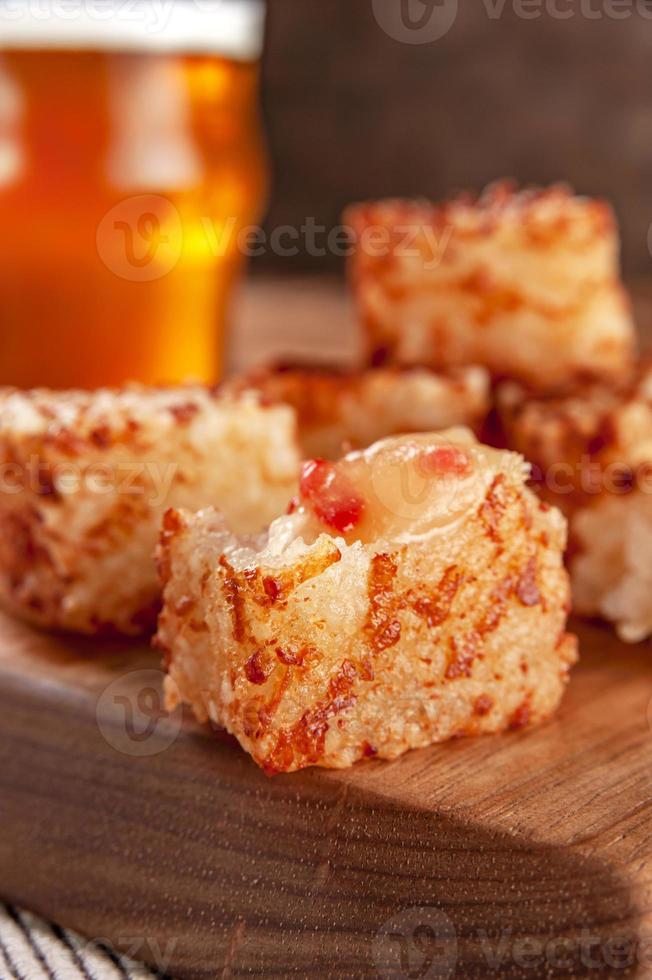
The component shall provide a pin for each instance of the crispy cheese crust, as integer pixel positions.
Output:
(340, 410)
(524, 282)
(591, 450)
(563, 434)
(86, 477)
(325, 651)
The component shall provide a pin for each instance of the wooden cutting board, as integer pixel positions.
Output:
(164, 838)
(522, 855)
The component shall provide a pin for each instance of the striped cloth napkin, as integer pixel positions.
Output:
(31, 949)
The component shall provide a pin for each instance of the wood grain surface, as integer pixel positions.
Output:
(522, 855)
(156, 832)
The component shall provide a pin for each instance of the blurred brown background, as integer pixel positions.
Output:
(540, 91)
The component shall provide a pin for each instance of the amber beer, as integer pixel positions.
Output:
(130, 157)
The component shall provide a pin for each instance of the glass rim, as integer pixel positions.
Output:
(234, 28)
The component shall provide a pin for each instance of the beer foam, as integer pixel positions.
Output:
(230, 27)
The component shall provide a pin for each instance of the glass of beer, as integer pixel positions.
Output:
(131, 160)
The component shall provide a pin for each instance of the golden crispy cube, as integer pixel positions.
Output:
(525, 283)
(341, 410)
(417, 592)
(87, 476)
(591, 453)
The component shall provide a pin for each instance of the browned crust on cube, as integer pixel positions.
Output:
(380, 650)
(78, 555)
(525, 282)
(340, 409)
(591, 454)
(582, 441)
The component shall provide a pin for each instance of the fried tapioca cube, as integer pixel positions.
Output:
(524, 282)
(87, 477)
(591, 454)
(415, 593)
(340, 410)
